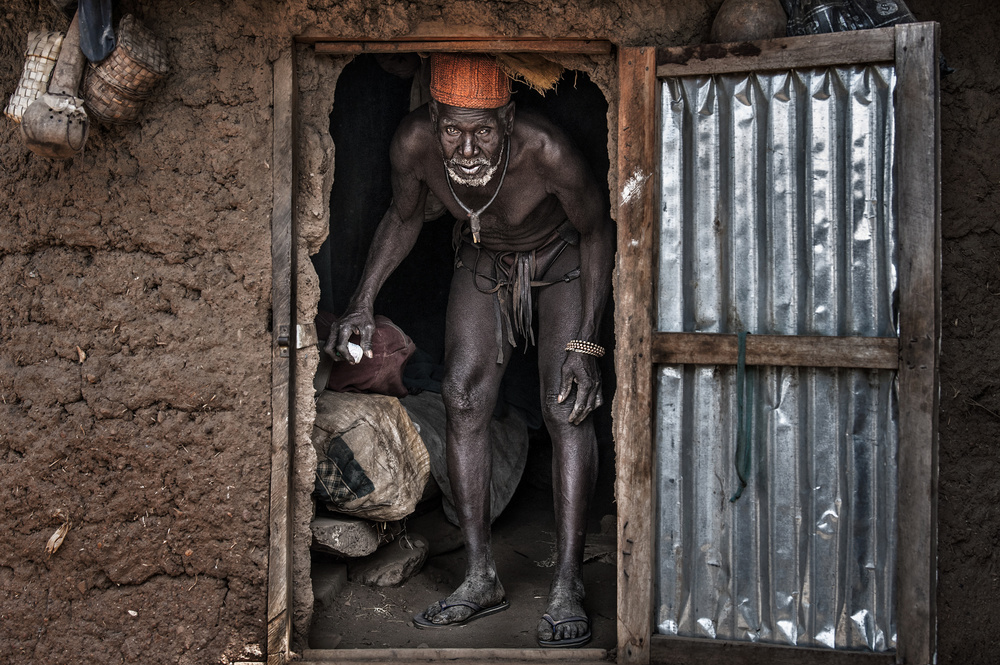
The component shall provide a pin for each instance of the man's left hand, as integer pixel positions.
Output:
(581, 369)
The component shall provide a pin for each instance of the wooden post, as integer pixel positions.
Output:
(919, 194)
(279, 583)
(633, 404)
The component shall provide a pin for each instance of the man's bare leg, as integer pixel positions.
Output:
(470, 388)
(574, 455)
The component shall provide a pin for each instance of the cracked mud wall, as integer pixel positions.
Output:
(151, 253)
(317, 76)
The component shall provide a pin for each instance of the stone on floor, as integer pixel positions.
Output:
(393, 563)
(344, 536)
(328, 579)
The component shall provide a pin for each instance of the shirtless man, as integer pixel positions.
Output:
(531, 214)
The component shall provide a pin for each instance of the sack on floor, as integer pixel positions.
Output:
(371, 461)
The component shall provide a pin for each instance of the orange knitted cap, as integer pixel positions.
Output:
(468, 80)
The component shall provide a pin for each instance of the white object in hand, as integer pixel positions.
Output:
(355, 351)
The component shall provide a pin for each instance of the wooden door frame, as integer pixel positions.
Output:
(284, 296)
(914, 50)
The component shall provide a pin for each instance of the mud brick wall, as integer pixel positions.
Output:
(135, 363)
(135, 347)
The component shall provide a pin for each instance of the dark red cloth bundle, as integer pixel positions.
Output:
(383, 372)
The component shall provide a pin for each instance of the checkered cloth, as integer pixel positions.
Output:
(339, 477)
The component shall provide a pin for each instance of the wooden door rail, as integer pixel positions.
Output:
(841, 48)
(670, 650)
(581, 46)
(777, 350)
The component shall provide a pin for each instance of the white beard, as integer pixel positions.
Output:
(474, 181)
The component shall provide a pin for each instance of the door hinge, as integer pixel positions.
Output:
(305, 335)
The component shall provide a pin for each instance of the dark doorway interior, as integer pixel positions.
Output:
(369, 104)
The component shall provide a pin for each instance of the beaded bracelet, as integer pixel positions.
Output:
(589, 348)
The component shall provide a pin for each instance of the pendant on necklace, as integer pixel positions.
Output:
(474, 226)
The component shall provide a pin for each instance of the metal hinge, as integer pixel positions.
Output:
(304, 336)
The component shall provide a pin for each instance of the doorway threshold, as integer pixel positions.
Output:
(468, 656)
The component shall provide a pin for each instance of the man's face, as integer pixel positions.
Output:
(471, 141)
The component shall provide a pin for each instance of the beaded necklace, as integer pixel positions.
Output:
(474, 224)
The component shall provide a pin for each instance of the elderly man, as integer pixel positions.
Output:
(533, 234)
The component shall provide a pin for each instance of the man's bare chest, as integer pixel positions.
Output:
(517, 216)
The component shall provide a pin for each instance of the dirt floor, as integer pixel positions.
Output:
(364, 617)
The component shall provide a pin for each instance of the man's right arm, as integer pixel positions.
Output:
(394, 238)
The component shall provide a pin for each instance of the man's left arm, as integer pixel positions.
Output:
(579, 195)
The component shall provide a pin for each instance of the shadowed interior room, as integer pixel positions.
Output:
(373, 94)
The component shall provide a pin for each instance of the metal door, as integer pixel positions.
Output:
(761, 186)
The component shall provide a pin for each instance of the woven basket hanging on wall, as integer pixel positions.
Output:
(39, 61)
(116, 88)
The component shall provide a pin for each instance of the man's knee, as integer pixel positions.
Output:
(556, 415)
(464, 399)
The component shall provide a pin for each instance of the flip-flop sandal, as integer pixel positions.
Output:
(563, 644)
(478, 612)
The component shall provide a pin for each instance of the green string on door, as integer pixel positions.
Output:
(744, 414)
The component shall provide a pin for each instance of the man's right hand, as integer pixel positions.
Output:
(357, 321)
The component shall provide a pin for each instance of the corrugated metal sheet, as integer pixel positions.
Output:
(777, 218)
